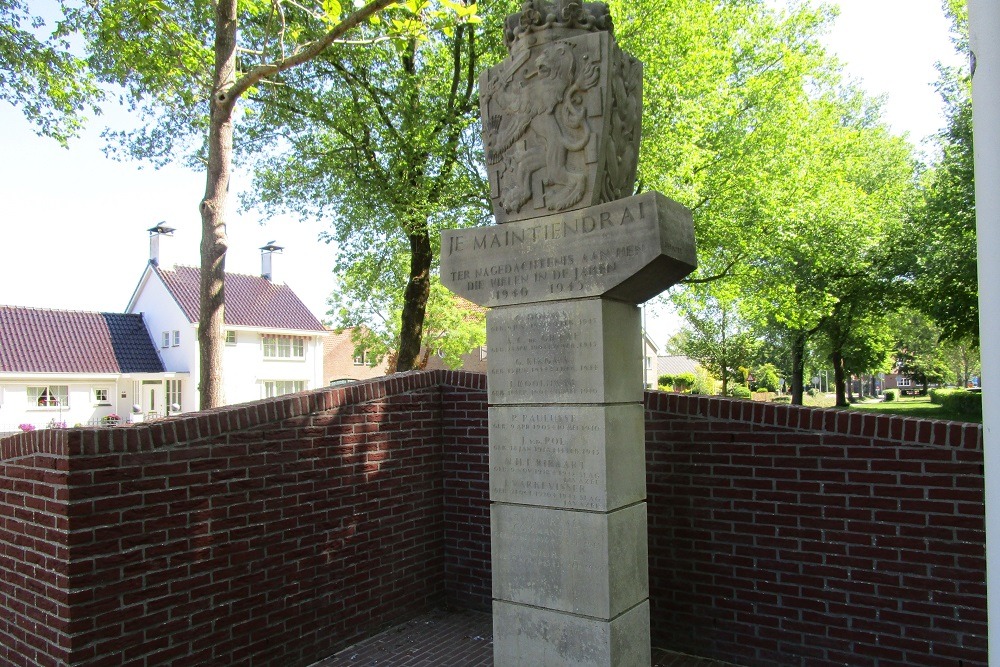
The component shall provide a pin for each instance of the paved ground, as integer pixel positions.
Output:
(452, 639)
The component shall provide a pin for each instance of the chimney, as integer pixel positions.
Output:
(154, 241)
(265, 259)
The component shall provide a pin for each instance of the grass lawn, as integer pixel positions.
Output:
(913, 406)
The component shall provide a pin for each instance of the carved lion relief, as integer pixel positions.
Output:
(561, 125)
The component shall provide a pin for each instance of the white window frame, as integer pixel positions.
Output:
(275, 388)
(177, 338)
(165, 339)
(46, 395)
(230, 337)
(361, 359)
(283, 347)
(173, 392)
(97, 395)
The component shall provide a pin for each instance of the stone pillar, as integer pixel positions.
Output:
(984, 37)
(563, 275)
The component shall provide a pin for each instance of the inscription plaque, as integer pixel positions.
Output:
(625, 249)
(576, 457)
(587, 563)
(583, 351)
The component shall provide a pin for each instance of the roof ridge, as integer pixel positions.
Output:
(228, 273)
(69, 310)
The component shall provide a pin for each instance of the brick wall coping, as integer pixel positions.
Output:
(885, 429)
(195, 426)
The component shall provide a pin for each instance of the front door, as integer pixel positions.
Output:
(152, 398)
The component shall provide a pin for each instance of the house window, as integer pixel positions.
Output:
(177, 338)
(274, 388)
(482, 353)
(903, 382)
(173, 396)
(165, 339)
(101, 395)
(230, 337)
(361, 359)
(49, 396)
(283, 347)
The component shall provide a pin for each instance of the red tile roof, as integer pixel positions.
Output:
(251, 301)
(36, 340)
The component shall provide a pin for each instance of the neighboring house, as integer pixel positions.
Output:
(75, 368)
(650, 354)
(905, 383)
(273, 346)
(341, 363)
(69, 367)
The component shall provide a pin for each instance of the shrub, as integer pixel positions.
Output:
(704, 383)
(739, 391)
(766, 377)
(939, 396)
(962, 403)
(782, 399)
(890, 394)
(679, 382)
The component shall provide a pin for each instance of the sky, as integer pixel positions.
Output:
(74, 222)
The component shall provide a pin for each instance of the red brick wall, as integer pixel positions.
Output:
(282, 530)
(34, 615)
(788, 536)
(467, 495)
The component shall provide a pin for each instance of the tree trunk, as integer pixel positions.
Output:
(839, 379)
(418, 289)
(798, 366)
(213, 210)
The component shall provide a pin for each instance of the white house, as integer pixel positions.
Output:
(67, 367)
(60, 367)
(274, 344)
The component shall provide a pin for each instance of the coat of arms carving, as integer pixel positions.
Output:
(561, 115)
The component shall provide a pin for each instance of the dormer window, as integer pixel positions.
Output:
(283, 347)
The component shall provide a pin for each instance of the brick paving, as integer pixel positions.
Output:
(453, 639)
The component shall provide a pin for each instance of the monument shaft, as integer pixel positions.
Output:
(562, 277)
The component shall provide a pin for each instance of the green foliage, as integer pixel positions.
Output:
(39, 75)
(715, 334)
(739, 391)
(766, 378)
(782, 399)
(382, 140)
(937, 396)
(678, 382)
(704, 382)
(890, 394)
(943, 234)
(959, 402)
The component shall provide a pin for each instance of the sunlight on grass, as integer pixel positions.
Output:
(913, 406)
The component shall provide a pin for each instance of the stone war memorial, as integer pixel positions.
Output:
(572, 255)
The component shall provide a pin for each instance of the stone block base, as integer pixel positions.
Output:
(531, 637)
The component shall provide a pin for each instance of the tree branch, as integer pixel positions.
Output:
(308, 52)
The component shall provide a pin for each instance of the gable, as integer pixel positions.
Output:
(251, 301)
